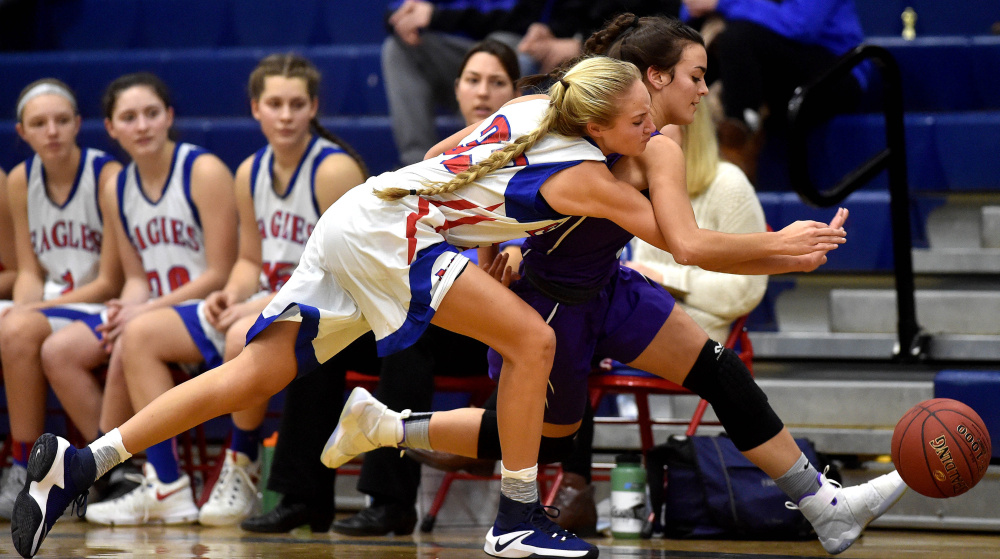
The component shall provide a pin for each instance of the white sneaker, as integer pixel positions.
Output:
(234, 496)
(12, 484)
(840, 514)
(151, 502)
(365, 424)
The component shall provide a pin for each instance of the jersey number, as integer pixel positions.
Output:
(176, 277)
(498, 131)
(277, 273)
(67, 279)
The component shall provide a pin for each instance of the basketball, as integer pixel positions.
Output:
(941, 448)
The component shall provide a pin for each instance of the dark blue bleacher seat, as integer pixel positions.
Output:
(122, 24)
(233, 139)
(203, 82)
(986, 69)
(87, 24)
(966, 147)
(934, 17)
(184, 24)
(869, 245)
(969, 17)
(270, 23)
(980, 391)
(971, 67)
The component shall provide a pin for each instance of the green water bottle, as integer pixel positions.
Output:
(269, 499)
(628, 496)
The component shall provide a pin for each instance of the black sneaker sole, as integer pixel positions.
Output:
(27, 516)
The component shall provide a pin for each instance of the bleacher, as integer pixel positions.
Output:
(205, 50)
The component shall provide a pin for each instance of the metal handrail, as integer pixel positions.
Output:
(913, 343)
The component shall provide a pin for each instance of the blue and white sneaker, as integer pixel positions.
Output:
(525, 530)
(56, 478)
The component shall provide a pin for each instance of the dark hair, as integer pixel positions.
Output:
(115, 88)
(505, 54)
(653, 41)
(291, 65)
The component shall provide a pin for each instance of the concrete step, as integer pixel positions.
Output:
(957, 260)
(840, 414)
(971, 220)
(991, 227)
(953, 311)
(841, 345)
(975, 510)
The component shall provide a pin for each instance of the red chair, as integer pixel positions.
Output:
(626, 380)
(641, 384)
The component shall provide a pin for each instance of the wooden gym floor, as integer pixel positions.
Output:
(79, 539)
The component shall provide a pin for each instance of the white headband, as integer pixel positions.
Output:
(44, 88)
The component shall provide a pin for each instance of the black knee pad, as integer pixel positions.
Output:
(555, 449)
(552, 449)
(489, 436)
(719, 376)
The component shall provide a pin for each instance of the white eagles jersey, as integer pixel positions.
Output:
(286, 221)
(504, 204)
(67, 238)
(166, 232)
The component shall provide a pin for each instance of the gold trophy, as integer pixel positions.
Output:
(909, 18)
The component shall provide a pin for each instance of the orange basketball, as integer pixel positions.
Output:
(941, 448)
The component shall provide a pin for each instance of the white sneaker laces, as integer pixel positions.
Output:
(793, 506)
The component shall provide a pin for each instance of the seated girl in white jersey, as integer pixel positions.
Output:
(281, 191)
(389, 263)
(67, 253)
(174, 218)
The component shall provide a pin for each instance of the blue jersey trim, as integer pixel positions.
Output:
(186, 178)
(189, 315)
(122, 176)
(305, 355)
(99, 162)
(76, 181)
(320, 157)
(170, 175)
(522, 200)
(298, 169)
(420, 312)
(92, 320)
(255, 169)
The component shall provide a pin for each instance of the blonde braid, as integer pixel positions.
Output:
(586, 93)
(496, 160)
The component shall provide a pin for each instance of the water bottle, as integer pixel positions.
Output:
(628, 497)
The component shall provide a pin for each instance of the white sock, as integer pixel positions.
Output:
(520, 485)
(109, 451)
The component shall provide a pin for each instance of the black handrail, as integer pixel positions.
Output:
(912, 341)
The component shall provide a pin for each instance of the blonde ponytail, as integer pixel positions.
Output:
(586, 93)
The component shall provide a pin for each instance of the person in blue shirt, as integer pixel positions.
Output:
(765, 51)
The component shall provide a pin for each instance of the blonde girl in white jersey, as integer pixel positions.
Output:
(374, 260)
(175, 222)
(68, 258)
(281, 191)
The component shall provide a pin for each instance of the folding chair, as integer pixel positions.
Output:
(626, 380)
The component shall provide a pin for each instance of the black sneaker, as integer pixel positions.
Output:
(58, 474)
